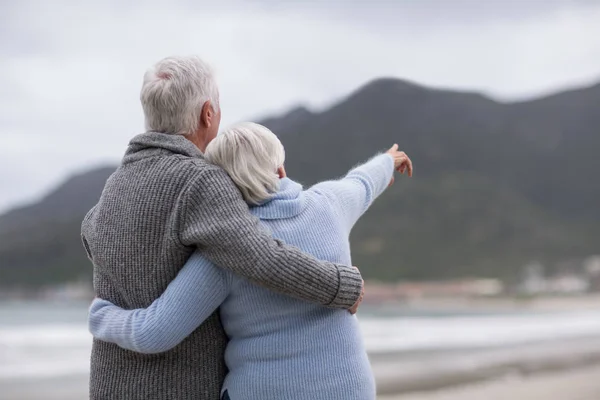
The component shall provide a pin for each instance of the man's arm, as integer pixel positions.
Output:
(195, 293)
(215, 218)
(84, 227)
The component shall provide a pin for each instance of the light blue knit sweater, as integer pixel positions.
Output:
(279, 347)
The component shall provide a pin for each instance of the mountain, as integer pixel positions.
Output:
(544, 149)
(496, 185)
(40, 243)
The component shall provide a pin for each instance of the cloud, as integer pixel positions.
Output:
(71, 70)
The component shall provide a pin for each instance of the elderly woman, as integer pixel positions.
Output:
(279, 347)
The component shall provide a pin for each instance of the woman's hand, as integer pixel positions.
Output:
(401, 161)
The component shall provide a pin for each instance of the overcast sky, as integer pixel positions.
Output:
(70, 71)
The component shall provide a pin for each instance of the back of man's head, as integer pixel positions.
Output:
(173, 94)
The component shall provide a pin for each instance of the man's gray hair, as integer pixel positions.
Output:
(174, 92)
(251, 155)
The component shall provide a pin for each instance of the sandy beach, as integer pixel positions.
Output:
(577, 384)
(566, 370)
(405, 373)
(430, 355)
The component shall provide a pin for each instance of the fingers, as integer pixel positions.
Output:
(409, 167)
(402, 162)
(354, 308)
(399, 158)
(406, 165)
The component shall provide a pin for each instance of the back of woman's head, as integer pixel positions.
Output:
(251, 154)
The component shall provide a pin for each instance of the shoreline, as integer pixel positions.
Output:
(427, 375)
(422, 355)
(580, 383)
(402, 375)
(556, 303)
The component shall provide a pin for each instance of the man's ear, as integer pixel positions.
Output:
(206, 114)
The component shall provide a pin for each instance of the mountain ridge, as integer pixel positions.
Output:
(497, 185)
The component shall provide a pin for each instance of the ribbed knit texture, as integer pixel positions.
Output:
(280, 348)
(161, 204)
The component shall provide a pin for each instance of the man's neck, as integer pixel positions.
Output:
(198, 141)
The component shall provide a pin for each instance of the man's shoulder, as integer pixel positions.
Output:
(182, 162)
(210, 176)
(173, 176)
(195, 164)
(163, 176)
(168, 167)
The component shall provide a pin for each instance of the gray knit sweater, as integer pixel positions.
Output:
(161, 204)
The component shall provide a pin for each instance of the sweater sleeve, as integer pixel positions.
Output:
(353, 194)
(195, 293)
(84, 240)
(216, 219)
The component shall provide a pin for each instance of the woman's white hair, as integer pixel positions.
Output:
(251, 154)
(174, 92)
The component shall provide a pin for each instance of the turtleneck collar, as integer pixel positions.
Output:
(151, 144)
(286, 203)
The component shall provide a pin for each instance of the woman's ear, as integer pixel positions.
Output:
(281, 172)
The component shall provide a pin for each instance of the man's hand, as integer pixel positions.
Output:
(401, 161)
(354, 308)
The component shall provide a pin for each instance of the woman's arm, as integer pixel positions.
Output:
(194, 294)
(352, 195)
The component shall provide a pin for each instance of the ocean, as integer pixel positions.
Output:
(41, 341)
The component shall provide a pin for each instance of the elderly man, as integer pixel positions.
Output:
(164, 202)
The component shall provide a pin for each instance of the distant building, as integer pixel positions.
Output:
(568, 284)
(591, 266)
(534, 280)
(536, 283)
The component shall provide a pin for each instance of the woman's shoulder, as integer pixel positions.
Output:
(319, 200)
(323, 193)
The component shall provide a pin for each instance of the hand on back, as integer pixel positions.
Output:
(354, 308)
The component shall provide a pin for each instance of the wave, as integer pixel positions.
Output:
(55, 335)
(47, 350)
(411, 333)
